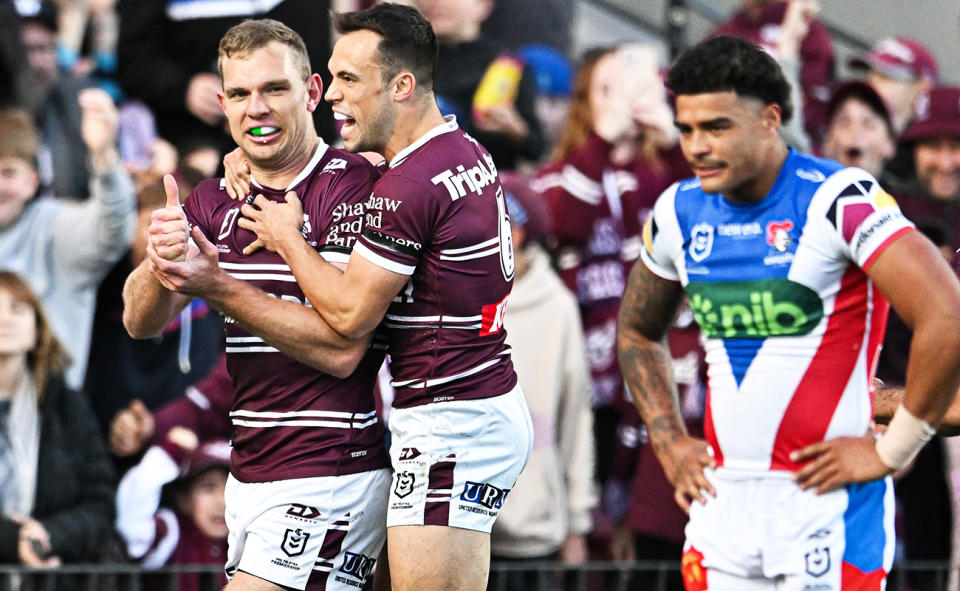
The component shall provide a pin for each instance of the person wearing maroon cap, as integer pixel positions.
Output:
(902, 71)
(549, 513)
(190, 528)
(859, 129)
(933, 193)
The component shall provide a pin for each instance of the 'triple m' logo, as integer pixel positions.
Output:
(484, 494)
(754, 309)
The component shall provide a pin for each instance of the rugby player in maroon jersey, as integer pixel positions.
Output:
(434, 263)
(307, 494)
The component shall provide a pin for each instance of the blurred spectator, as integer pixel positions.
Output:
(932, 194)
(56, 480)
(617, 152)
(190, 528)
(903, 72)
(155, 370)
(90, 25)
(64, 161)
(547, 514)
(650, 524)
(514, 24)
(801, 45)
(472, 69)
(64, 249)
(859, 130)
(166, 60)
(15, 91)
(200, 413)
(554, 77)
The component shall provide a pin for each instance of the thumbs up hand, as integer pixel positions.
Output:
(169, 230)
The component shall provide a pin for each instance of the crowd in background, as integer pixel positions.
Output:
(103, 98)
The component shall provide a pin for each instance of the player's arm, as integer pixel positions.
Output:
(887, 399)
(353, 301)
(149, 306)
(924, 291)
(293, 328)
(648, 309)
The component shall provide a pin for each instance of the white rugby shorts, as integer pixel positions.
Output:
(455, 462)
(322, 533)
(762, 532)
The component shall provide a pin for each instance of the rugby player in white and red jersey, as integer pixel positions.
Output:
(307, 493)
(434, 263)
(788, 262)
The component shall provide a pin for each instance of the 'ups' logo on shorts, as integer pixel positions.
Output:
(404, 484)
(357, 565)
(294, 542)
(484, 494)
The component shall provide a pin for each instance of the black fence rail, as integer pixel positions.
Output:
(529, 576)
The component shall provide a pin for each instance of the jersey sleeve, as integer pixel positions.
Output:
(863, 218)
(344, 212)
(399, 221)
(662, 237)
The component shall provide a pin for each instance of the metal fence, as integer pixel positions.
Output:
(528, 576)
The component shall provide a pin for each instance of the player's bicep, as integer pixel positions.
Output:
(916, 279)
(650, 304)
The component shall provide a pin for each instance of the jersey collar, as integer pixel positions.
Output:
(449, 124)
(314, 160)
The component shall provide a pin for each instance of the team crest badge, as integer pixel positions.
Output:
(404, 484)
(294, 542)
(778, 235)
(701, 242)
(817, 561)
(692, 571)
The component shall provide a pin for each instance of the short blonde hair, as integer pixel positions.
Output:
(251, 35)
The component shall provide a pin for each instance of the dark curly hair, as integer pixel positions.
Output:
(729, 63)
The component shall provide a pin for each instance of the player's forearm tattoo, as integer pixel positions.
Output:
(647, 310)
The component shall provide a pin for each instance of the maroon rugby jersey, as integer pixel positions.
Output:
(438, 215)
(597, 210)
(290, 420)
